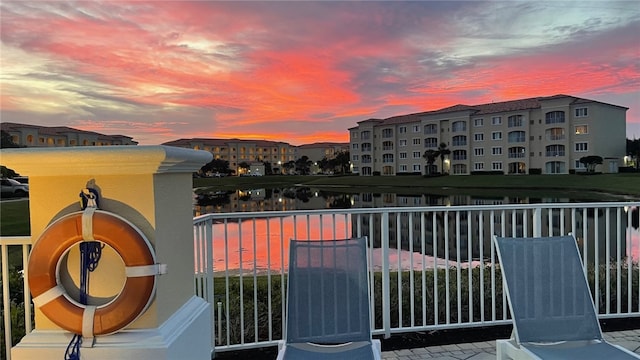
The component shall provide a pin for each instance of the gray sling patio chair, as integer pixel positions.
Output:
(328, 311)
(550, 302)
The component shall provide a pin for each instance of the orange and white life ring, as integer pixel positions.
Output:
(127, 241)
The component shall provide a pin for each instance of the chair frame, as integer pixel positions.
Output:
(513, 348)
(319, 348)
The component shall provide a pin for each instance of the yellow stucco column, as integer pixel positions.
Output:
(151, 187)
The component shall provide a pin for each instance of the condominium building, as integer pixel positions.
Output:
(60, 136)
(545, 135)
(320, 150)
(237, 151)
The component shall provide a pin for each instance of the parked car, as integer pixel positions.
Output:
(14, 188)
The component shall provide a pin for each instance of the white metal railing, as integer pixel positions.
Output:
(241, 264)
(22, 245)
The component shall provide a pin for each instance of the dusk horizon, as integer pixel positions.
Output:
(303, 71)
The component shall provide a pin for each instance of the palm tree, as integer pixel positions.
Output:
(430, 156)
(442, 152)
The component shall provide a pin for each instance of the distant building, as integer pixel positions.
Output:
(321, 150)
(237, 151)
(60, 136)
(545, 135)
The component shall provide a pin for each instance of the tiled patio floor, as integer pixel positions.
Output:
(486, 350)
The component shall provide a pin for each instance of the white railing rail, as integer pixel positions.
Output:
(241, 264)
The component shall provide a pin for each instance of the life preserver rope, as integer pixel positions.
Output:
(125, 239)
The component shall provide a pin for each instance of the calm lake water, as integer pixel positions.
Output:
(307, 198)
(242, 253)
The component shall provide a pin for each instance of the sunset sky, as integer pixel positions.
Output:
(302, 71)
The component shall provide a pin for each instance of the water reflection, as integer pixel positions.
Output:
(307, 198)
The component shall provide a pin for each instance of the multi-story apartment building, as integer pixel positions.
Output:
(548, 134)
(237, 151)
(60, 136)
(321, 150)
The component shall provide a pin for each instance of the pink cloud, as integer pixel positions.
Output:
(252, 68)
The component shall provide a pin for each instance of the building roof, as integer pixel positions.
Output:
(323, 145)
(490, 108)
(223, 142)
(58, 130)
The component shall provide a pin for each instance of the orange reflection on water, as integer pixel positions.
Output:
(260, 245)
(263, 244)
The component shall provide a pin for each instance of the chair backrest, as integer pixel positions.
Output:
(547, 290)
(328, 292)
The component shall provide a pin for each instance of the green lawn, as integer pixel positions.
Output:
(14, 218)
(620, 184)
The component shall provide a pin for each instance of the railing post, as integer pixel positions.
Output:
(208, 231)
(6, 314)
(537, 221)
(386, 299)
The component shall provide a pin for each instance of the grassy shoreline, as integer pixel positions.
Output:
(624, 185)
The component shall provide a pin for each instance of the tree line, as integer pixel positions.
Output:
(338, 165)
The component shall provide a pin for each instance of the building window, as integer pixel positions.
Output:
(496, 120)
(365, 135)
(387, 145)
(555, 167)
(402, 142)
(582, 129)
(581, 112)
(430, 129)
(366, 147)
(416, 128)
(355, 157)
(387, 158)
(404, 168)
(402, 155)
(554, 134)
(387, 133)
(459, 140)
(354, 134)
(478, 137)
(580, 165)
(416, 141)
(496, 165)
(517, 136)
(431, 142)
(366, 159)
(554, 150)
(354, 146)
(516, 152)
(478, 151)
(459, 155)
(496, 135)
(496, 150)
(478, 166)
(417, 167)
(514, 121)
(582, 147)
(458, 126)
(417, 155)
(459, 169)
(478, 122)
(554, 117)
(402, 129)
